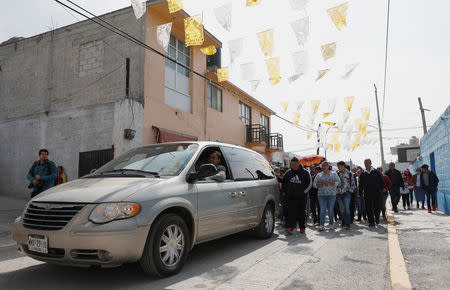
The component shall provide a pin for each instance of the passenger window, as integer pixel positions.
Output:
(246, 165)
(203, 159)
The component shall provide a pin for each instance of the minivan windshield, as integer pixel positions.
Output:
(162, 160)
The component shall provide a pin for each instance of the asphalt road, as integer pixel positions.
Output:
(334, 259)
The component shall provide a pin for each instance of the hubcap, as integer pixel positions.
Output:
(171, 245)
(269, 221)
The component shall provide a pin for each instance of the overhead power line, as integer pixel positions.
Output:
(131, 38)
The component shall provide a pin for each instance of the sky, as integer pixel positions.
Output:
(418, 60)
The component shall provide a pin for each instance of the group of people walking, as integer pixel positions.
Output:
(318, 190)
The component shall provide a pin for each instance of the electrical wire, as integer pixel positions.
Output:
(129, 37)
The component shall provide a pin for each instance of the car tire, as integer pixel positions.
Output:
(265, 228)
(167, 246)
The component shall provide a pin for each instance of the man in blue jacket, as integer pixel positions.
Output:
(42, 174)
(295, 186)
(429, 183)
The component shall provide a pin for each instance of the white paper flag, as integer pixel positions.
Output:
(298, 4)
(293, 78)
(235, 47)
(345, 116)
(163, 35)
(248, 71)
(348, 70)
(223, 15)
(299, 105)
(300, 61)
(301, 30)
(139, 7)
(331, 102)
(254, 84)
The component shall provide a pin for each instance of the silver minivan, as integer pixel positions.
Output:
(151, 205)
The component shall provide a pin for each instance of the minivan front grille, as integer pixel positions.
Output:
(50, 216)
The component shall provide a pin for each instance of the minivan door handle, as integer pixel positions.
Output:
(232, 194)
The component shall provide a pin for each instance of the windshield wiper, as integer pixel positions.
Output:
(123, 170)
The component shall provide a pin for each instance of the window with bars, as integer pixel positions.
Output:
(214, 97)
(245, 113)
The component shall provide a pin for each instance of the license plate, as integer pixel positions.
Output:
(38, 244)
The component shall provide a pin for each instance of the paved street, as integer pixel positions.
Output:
(334, 259)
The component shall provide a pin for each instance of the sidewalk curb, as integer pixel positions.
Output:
(398, 273)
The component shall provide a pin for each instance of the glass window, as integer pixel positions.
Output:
(264, 121)
(181, 53)
(166, 160)
(247, 165)
(245, 113)
(214, 97)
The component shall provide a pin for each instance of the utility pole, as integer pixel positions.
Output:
(383, 163)
(422, 111)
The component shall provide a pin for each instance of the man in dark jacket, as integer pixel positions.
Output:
(397, 181)
(371, 183)
(429, 183)
(42, 174)
(295, 186)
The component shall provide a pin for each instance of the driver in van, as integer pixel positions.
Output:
(215, 158)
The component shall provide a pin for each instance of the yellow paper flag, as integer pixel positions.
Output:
(265, 39)
(321, 73)
(296, 116)
(330, 123)
(252, 2)
(175, 5)
(315, 105)
(284, 105)
(365, 113)
(349, 102)
(330, 146)
(339, 15)
(335, 138)
(193, 30)
(337, 147)
(273, 66)
(222, 74)
(358, 124)
(326, 114)
(364, 128)
(296, 122)
(308, 134)
(328, 50)
(209, 50)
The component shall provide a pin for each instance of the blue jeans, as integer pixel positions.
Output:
(327, 202)
(344, 206)
(361, 206)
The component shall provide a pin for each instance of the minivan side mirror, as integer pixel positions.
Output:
(204, 171)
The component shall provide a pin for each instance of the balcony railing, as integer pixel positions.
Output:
(257, 134)
(275, 141)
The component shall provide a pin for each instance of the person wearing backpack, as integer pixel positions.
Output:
(42, 174)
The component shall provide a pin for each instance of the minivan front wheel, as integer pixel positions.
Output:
(167, 246)
(265, 228)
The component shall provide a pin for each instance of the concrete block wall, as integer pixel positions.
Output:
(64, 90)
(437, 140)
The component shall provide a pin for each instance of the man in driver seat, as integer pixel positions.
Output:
(215, 158)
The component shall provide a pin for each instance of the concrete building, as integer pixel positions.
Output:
(406, 153)
(435, 151)
(87, 95)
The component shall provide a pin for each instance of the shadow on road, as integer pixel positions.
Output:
(208, 260)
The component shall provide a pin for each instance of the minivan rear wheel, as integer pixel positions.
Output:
(265, 228)
(167, 246)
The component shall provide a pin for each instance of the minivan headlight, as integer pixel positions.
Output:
(107, 212)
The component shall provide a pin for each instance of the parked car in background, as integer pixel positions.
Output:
(150, 205)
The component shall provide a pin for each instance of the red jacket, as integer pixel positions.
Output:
(386, 183)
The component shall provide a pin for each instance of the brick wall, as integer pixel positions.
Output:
(437, 141)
